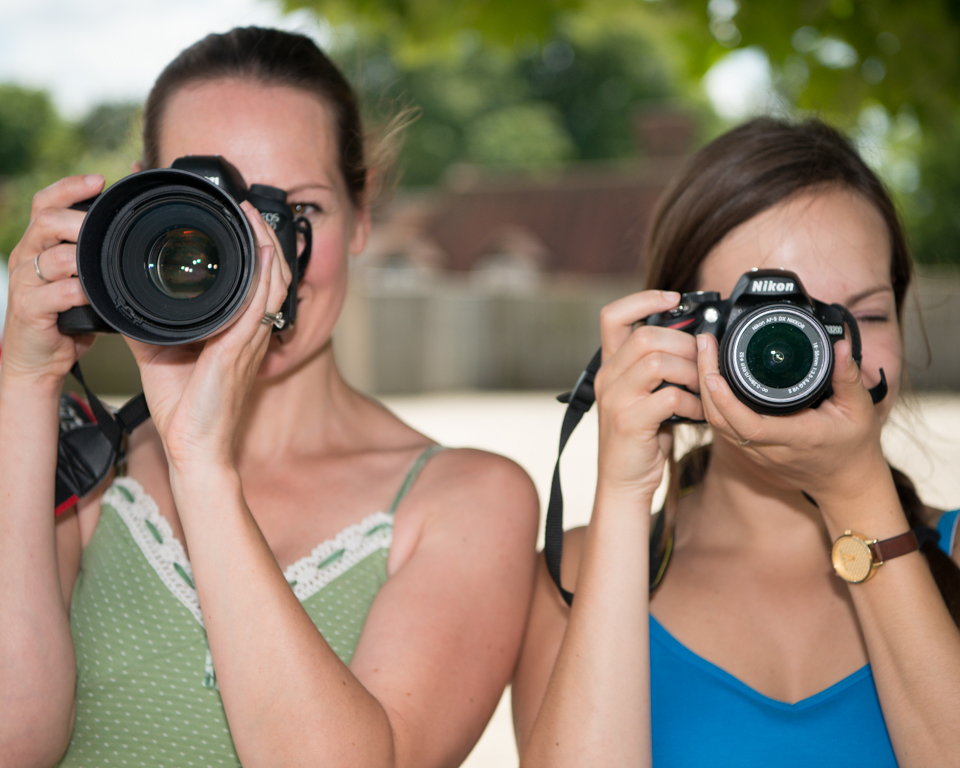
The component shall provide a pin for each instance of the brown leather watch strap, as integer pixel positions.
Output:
(896, 546)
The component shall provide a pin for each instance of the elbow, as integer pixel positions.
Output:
(32, 747)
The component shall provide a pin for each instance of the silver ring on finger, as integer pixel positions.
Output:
(36, 266)
(742, 443)
(276, 319)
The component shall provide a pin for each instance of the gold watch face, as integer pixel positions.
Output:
(852, 559)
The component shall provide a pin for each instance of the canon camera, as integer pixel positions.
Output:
(167, 256)
(776, 342)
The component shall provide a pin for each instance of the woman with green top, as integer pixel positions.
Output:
(286, 573)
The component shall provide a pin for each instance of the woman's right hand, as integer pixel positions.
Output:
(34, 350)
(632, 402)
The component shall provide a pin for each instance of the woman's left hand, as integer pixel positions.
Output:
(825, 451)
(196, 401)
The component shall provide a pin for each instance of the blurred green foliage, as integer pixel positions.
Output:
(575, 97)
(105, 141)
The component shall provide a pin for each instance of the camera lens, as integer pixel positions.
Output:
(183, 263)
(779, 355)
(777, 358)
(167, 257)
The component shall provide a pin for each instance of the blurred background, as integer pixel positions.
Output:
(538, 135)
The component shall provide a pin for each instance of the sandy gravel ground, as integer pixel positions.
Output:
(923, 439)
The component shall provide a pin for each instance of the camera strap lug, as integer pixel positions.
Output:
(90, 442)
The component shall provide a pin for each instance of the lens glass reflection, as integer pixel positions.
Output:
(779, 355)
(183, 263)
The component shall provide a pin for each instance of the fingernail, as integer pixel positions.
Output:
(701, 341)
(93, 179)
(670, 296)
(712, 384)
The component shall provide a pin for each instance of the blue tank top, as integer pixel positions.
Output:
(702, 715)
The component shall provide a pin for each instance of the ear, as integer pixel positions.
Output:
(361, 230)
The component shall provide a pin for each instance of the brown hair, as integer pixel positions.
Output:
(737, 176)
(272, 57)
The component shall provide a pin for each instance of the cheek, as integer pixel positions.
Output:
(882, 348)
(328, 259)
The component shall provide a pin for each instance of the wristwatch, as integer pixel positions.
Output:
(856, 559)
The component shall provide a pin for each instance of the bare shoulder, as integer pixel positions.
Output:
(454, 469)
(468, 493)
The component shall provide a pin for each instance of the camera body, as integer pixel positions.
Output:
(776, 342)
(167, 256)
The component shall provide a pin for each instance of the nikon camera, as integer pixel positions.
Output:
(167, 256)
(776, 342)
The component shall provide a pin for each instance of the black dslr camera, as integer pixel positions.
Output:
(776, 342)
(167, 256)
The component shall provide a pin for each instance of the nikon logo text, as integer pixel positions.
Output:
(772, 286)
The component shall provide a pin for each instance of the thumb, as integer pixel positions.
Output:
(846, 372)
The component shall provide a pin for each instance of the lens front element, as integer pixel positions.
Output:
(777, 358)
(779, 355)
(183, 263)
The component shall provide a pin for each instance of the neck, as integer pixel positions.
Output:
(738, 505)
(277, 409)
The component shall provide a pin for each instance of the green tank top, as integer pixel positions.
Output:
(146, 685)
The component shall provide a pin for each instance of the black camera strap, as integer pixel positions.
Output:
(90, 441)
(878, 392)
(579, 400)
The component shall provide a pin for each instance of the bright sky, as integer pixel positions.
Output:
(89, 51)
(85, 52)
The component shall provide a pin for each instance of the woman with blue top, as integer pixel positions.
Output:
(744, 645)
(285, 574)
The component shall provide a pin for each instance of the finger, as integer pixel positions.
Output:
(656, 369)
(847, 379)
(48, 229)
(66, 192)
(56, 263)
(645, 414)
(618, 318)
(263, 232)
(49, 299)
(721, 407)
(653, 340)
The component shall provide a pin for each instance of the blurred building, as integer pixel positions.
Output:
(497, 280)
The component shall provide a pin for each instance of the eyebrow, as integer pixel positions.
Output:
(869, 292)
(312, 185)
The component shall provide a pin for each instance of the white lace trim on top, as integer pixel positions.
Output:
(307, 576)
(336, 556)
(152, 533)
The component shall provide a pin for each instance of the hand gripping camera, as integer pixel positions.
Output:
(776, 353)
(167, 256)
(776, 343)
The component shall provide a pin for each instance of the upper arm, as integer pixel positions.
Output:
(442, 636)
(73, 530)
(544, 636)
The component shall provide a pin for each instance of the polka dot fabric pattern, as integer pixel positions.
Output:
(146, 687)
